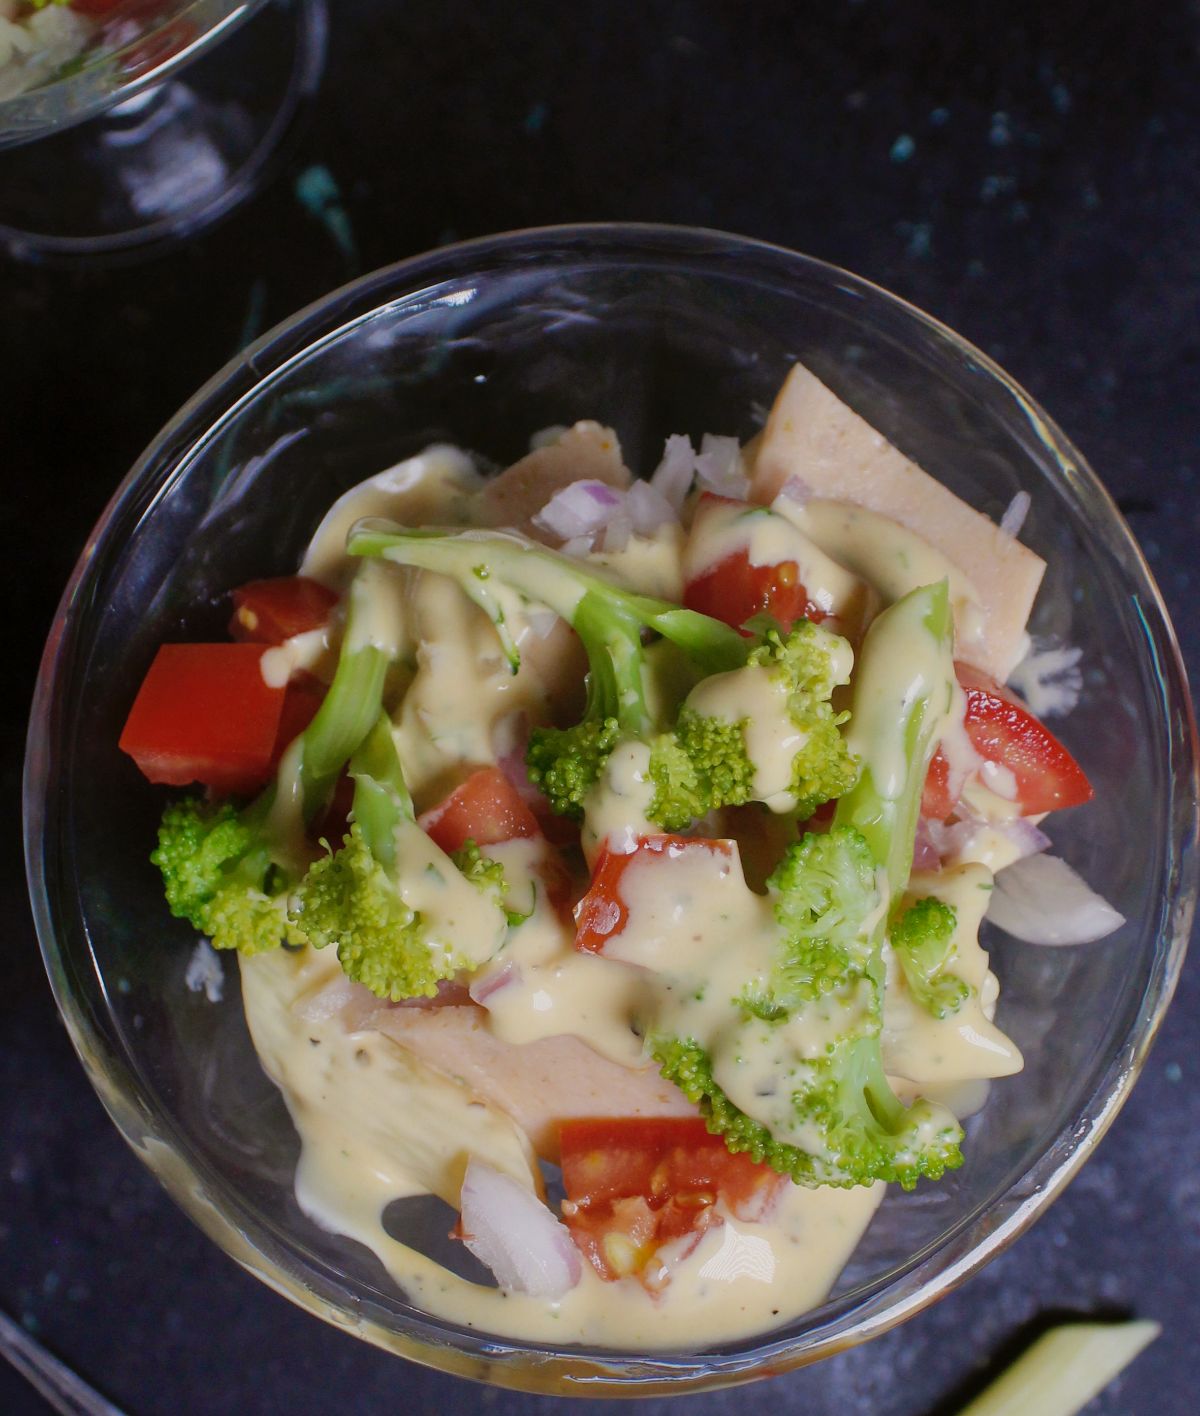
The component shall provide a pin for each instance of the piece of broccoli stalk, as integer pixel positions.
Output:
(401, 913)
(229, 871)
(832, 1118)
(698, 762)
(503, 572)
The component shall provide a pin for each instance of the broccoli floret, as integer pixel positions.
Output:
(355, 897)
(501, 572)
(803, 666)
(922, 940)
(219, 876)
(229, 872)
(826, 900)
(867, 1133)
(716, 751)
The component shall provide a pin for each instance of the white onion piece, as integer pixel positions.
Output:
(540, 620)
(1015, 514)
(1043, 901)
(508, 1228)
(617, 532)
(1049, 678)
(582, 507)
(719, 467)
(672, 478)
(648, 509)
(578, 546)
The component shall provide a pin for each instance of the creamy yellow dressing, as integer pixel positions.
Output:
(891, 558)
(966, 1046)
(437, 488)
(377, 1125)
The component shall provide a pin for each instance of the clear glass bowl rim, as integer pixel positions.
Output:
(501, 1361)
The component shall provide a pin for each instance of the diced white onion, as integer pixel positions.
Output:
(672, 478)
(581, 508)
(618, 532)
(578, 546)
(719, 466)
(1043, 901)
(540, 620)
(204, 972)
(648, 509)
(508, 1228)
(1015, 514)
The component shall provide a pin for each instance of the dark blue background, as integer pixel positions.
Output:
(1033, 180)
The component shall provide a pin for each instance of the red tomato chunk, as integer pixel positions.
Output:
(486, 809)
(602, 913)
(1005, 732)
(634, 1184)
(734, 591)
(204, 714)
(270, 611)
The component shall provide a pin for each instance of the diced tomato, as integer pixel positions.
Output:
(205, 714)
(270, 611)
(937, 800)
(95, 8)
(633, 1184)
(602, 913)
(1002, 730)
(486, 809)
(734, 591)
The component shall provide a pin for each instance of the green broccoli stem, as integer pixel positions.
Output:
(493, 567)
(381, 797)
(349, 708)
(903, 689)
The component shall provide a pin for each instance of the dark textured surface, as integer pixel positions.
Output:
(1033, 182)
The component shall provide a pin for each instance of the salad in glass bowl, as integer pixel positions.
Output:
(604, 856)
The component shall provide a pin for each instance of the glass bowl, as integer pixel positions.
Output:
(654, 330)
(149, 135)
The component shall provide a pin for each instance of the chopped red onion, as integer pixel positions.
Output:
(578, 509)
(491, 980)
(340, 995)
(672, 478)
(648, 509)
(926, 855)
(1015, 514)
(1043, 901)
(796, 490)
(510, 1230)
(719, 467)
(955, 842)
